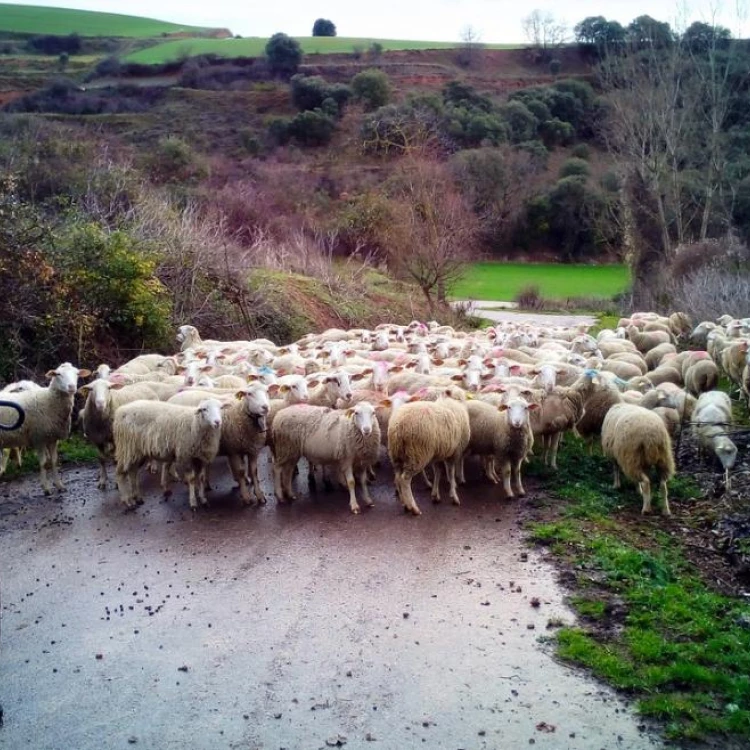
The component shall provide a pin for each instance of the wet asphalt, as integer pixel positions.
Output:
(297, 627)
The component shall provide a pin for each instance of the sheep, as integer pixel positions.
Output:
(680, 324)
(421, 432)
(18, 387)
(637, 441)
(349, 440)
(329, 388)
(244, 427)
(699, 335)
(502, 435)
(644, 342)
(701, 376)
(103, 400)
(185, 436)
(48, 419)
(596, 405)
(710, 422)
(654, 357)
(733, 359)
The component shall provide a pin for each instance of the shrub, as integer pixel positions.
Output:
(521, 122)
(284, 54)
(376, 50)
(610, 182)
(555, 132)
(324, 27)
(581, 151)
(575, 168)
(278, 130)
(529, 298)
(554, 66)
(173, 160)
(52, 44)
(372, 88)
(250, 142)
(308, 92)
(312, 128)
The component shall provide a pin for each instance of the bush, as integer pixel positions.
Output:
(278, 130)
(555, 132)
(575, 168)
(284, 54)
(310, 92)
(51, 44)
(372, 88)
(529, 298)
(324, 27)
(554, 66)
(610, 182)
(173, 160)
(581, 151)
(521, 121)
(312, 128)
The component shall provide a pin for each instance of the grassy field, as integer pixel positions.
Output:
(649, 625)
(254, 46)
(502, 281)
(35, 19)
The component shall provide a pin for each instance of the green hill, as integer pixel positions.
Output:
(36, 19)
(254, 46)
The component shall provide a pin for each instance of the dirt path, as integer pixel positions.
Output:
(499, 311)
(284, 627)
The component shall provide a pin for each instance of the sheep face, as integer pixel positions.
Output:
(362, 415)
(65, 378)
(185, 333)
(339, 385)
(726, 450)
(103, 372)
(255, 403)
(209, 412)
(518, 412)
(98, 392)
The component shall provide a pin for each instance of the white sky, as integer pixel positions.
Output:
(434, 20)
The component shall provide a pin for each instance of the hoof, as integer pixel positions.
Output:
(262, 500)
(355, 511)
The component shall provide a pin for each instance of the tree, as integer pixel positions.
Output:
(471, 45)
(284, 54)
(700, 38)
(645, 31)
(324, 27)
(544, 32)
(599, 33)
(372, 88)
(439, 228)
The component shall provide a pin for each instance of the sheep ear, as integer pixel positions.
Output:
(487, 376)
(275, 388)
(206, 368)
(514, 369)
(463, 361)
(312, 383)
(84, 389)
(533, 406)
(84, 373)
(457, 378)
(115, 385)
(411, 365)
(349, 413)
(252, 378)
(240, 395)
(397, 368)
(51, 373)
(503, 407)
(386, 402)
(321, 355)
(357, 376)
(438, 362)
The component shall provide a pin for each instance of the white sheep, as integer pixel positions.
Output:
(423, 432)
(638, 442)
(348, 440)
(244, 427)
(48, 415)
(502, 435)
(96, 417)
(711, 420)
(18, 387)
(187, 437)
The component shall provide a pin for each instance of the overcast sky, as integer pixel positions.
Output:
(436, 20)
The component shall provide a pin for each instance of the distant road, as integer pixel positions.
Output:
(491, 311)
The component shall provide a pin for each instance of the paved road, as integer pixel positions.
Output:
(284, 627)
(491, 311)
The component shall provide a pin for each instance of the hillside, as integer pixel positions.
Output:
(37, 19)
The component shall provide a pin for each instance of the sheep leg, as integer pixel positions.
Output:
(190, 477)
(616, 481)
(4, 458)
(350, 484)
(435, 493)
(18, 453)
(460, 475)
(426, 479)
(365, 489)
(124, 487)
(451, 469)
(102, 483)
(727, 481)
(45, 463)
(492, 470)
(403, 485)
(252, 463)
(665, 509)
(506, 472)
(554, 445)
(237, 467)
(56, 479)
(166, 472)
(201, 480)
(644, 485)
(277, 484)
(516, 477)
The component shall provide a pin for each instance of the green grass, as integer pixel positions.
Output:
(74, 450)
(36, 19)
(679, 648)
(254, 46)
(502, 281)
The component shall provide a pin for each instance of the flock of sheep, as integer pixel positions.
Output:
(432, 396)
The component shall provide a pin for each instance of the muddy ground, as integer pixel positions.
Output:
(284, 627)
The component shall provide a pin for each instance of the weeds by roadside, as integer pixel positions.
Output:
(651, 624)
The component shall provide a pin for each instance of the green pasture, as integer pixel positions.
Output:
(254, 46)
(503, 281)
(36, 19)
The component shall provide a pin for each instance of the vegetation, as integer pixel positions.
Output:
(371, 88)
(284, 54)
(650, 625)
(253, 46)
(324, 27)
(503, 281)
(33, 19)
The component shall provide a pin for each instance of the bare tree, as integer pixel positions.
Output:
(439, 228)
(469, 53)
(544, 31)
